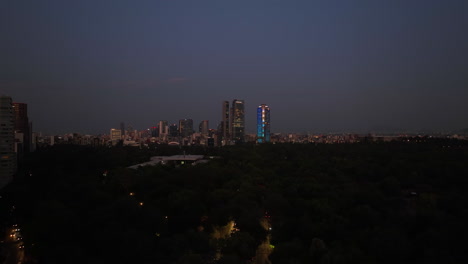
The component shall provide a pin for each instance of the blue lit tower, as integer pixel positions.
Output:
(263, 123)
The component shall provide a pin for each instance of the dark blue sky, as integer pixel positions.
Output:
(322, 66)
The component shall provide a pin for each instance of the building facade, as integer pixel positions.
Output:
(21, 122)
(237, 121)
(185, 127)
(163, 129)
(7, 141)
(115, 136)
(226, 121)
(263, 123)
(204, 128)
(173, 130)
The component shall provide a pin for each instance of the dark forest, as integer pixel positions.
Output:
(396, 202)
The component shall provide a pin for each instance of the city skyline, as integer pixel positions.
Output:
(324, 66)
(252, 116)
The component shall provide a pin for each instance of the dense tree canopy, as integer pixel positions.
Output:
(343, 203)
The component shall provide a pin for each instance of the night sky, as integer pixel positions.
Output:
(322, 66)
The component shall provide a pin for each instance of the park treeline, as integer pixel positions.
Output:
(395, 202)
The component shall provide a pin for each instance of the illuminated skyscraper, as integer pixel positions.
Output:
(7, 141)
(237, 121)
(115, 136)
(263, 123)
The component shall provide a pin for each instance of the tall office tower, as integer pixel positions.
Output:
(21, 122)
(163, 128)
(225, 128)
(185, 127)
(237, 121)
(203, 128)
(263, 123)
(122, 128)
(173, 130)
(7, 141)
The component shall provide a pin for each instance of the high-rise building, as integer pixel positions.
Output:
(237, 121)
(203, 128)
(21, 122)
(263, 123)
(163, 128)
(226, 121)
(7, 141)
(115, 135)
(154, 131)
(173, 130)
(185, 127)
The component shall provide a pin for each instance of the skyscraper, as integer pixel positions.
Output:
(263, 123)
(237, 121)
(7, 141)
(155, 131)
(115, 136)
(226, 121)
(185, 127)
(21, 123)
(203, 128)
(173, 130)
(163, 129)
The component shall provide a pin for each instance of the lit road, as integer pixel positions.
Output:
(13, 246)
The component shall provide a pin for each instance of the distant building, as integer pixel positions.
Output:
(155, 131)
(203, 128)
(33, 140)
(263, 124)
(173, 130)
(122, 128)
(163, 129)
(115, 136)
(210, 142)
(129, 132)
(225, 128)
(185, 127)
(21, 122)
(237, 121)
(219, 135)
(7, 141)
